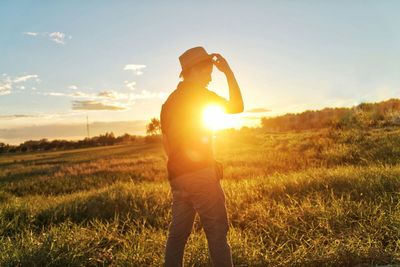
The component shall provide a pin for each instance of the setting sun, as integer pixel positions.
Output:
(215, 118)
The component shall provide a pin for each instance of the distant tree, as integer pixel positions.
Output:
(106, 139)
(153, 131)
(3, 147)
(126, 138)
(154, 127)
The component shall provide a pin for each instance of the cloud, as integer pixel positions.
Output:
(74, 94)
(31, 33)
(25, 78)
(258, 110)
(7, 83)
(15, 116)
(57, 37)
(130, 85)
(106, 99)
(5, 86)
(94, 105)
(107, 94)
(110, 94)
(136, 68)
(80, 94)
(73, 87)
(148, 95)
(55, 94)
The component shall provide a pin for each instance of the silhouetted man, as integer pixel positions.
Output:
(193, 173)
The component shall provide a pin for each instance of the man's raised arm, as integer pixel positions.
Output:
(235, 103)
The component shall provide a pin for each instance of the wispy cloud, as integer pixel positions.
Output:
(31, 33)
(92, 96)
(26, 117)
(107, 94)
(25, 78)
(5, 86)
(57, 37)
(110, 94)
(94, 105)
(258, 110)
(74, 94)
(80, 94)
(8, 83)
(136, 68)
(130, 85)
(144, 94)
(106, 99)
(55, 94)
(16, 116)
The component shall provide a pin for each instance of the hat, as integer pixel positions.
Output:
(192, 57)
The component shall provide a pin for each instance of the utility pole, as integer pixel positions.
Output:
(87, 126)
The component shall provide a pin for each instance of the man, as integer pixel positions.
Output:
(193, 173)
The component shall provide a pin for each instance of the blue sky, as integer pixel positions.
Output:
(63, 60)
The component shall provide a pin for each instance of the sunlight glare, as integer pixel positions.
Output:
(215, 118)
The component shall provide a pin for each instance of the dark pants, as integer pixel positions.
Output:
(199, 192)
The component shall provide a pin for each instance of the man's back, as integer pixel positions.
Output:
(190, 142)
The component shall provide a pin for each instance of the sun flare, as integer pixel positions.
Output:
(215, 118)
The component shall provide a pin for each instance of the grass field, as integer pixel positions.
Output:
(325, 198)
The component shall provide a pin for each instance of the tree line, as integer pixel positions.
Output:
(153, 132)
(46, 145)
(364, 115)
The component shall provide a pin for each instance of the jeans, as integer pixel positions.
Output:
(199, 192)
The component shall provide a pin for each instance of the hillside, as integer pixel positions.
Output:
(315, 198)
(364, 115)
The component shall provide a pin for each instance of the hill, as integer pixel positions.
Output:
(314, 198)
(364, 115)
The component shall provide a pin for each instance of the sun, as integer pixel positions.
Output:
(215, 118)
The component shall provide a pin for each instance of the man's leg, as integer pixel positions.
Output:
(183, 215)
(215, 224)
(208, 200)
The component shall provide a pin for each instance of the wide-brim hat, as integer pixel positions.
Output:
(192, 57)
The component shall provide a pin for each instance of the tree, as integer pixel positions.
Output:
(154, 127)
(3, 147)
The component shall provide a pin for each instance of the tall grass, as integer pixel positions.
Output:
(295, 199)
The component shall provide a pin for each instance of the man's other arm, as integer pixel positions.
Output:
(235, 103)
(163, 124)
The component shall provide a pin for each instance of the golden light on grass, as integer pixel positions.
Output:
(215, 118)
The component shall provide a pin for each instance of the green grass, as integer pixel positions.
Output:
(294, 199)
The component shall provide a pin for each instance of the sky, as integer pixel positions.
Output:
(116, 62)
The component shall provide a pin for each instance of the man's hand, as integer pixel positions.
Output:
(235, 103)
(221, 63)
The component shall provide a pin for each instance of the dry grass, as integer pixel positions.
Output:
(296, 199)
